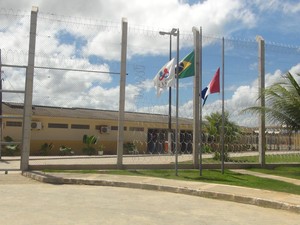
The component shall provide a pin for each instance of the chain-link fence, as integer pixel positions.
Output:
(76, 94)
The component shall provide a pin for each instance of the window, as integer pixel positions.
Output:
(58, 125)
(98, 127)
(114, 128)
(80, 126)
(136, 129)
(13, 124)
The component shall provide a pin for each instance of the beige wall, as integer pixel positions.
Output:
(73, 137)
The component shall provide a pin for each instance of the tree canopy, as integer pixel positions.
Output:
(214, 125)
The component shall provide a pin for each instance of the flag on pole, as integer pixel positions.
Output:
(187, 66)
(165, 77)
(213, 86)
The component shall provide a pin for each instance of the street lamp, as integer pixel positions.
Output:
(173, 32)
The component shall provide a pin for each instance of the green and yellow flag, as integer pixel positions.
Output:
(186, 66)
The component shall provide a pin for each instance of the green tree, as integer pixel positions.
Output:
(213, 128)
(282, 103)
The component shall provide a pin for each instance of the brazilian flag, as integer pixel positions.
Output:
(186, 66)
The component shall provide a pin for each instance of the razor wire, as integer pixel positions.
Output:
(72, 43)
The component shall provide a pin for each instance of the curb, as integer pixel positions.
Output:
(46, 178)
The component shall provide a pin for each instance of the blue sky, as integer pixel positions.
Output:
(86, 35)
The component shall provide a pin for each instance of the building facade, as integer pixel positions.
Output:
(66, 127)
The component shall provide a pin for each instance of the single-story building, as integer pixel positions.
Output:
(66, 126)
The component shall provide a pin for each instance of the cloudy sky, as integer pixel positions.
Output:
(86, 35)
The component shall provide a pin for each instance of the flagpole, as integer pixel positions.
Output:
(196, 99)
(200, 101)
(223, 111)
(177, 106)
(171, 33)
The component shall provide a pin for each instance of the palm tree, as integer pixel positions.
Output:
(283, 103)
(90, 142)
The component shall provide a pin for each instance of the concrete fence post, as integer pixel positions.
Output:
(122, 94)
(27, 113)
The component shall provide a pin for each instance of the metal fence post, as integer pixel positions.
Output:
(196, 122)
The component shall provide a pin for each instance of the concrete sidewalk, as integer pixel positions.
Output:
(264, 198)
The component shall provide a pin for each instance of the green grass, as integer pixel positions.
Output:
(283, 158)
(291, 172)
(229, 177)
(210, 176)
(215, 176)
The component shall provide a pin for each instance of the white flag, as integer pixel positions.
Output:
(165, 77)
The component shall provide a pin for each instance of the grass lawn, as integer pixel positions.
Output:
(229, 177)
(291, 172)
(273, 158)
(270, 158)
(215, 176)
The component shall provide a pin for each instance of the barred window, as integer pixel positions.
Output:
(114, 128)
(98, 127)
(80, 126)
(58, 125)
(136, 129)
(14, 124)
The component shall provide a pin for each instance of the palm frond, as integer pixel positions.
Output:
(282, 103)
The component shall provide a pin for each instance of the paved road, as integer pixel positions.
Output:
(28, 202)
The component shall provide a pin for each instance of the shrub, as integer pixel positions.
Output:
(129, 148)
(45, 148)
(217, 156)
(63, 150)
(12, 149)
(206, 149)
(90, 142)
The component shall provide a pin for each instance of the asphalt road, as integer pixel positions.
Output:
(28, 202)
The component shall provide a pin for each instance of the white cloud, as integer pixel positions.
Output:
(246, 96)
(277, 5)
(296, 70)
(103, 39)
(105, 44)
(213, 15)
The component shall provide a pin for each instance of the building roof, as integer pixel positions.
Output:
(85, 113)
